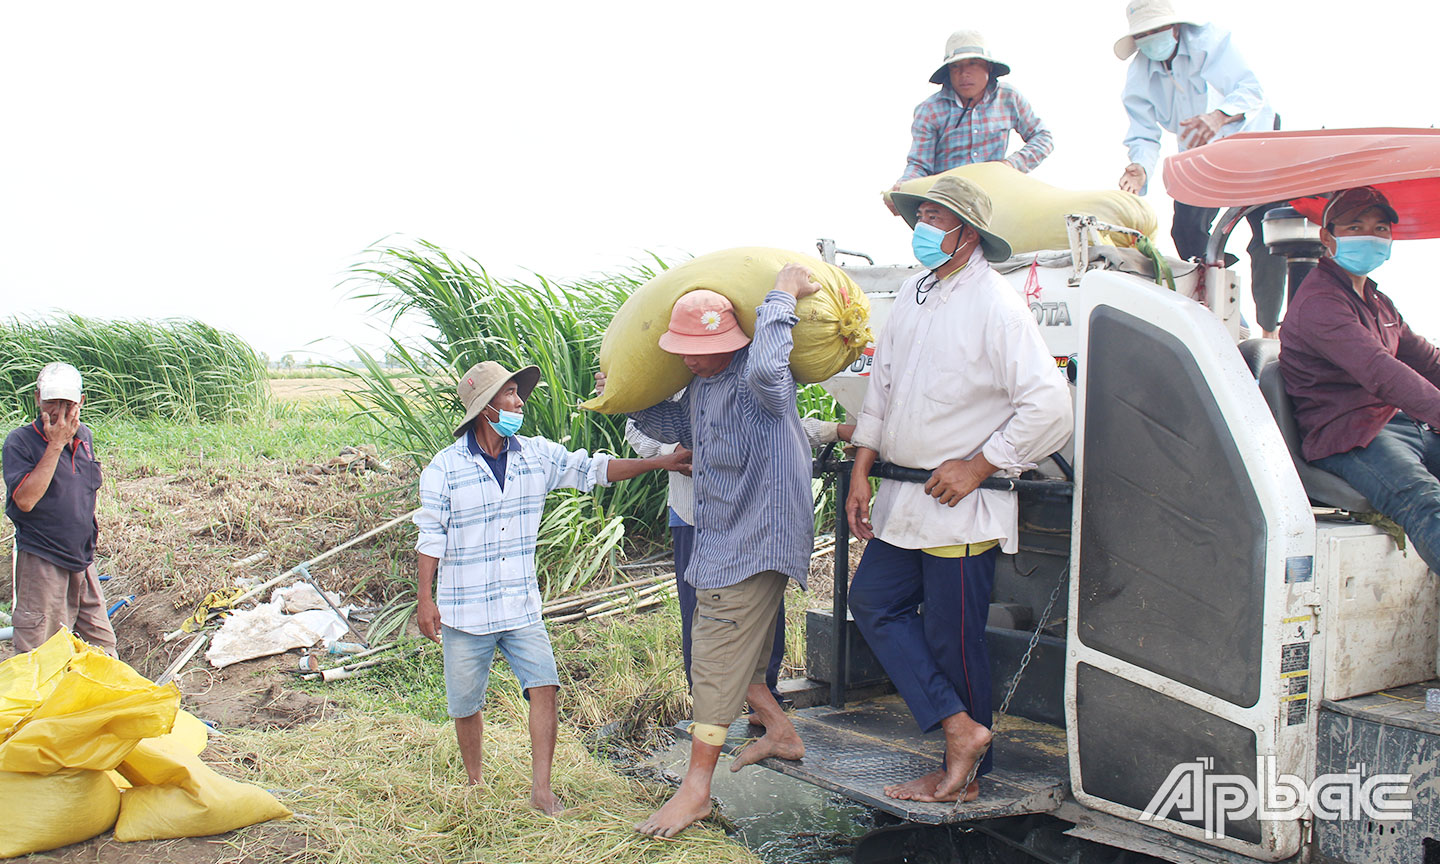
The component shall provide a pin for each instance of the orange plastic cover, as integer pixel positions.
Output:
(1304, 166)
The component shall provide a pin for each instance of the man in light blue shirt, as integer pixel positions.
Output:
(481, 500)
(1190, 79)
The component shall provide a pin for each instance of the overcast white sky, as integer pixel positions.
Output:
(230, 161)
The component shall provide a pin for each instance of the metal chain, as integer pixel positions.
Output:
(1034, 640)
(1014, 683)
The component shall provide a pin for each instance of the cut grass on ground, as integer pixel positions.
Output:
(622, 676)
(388, 788)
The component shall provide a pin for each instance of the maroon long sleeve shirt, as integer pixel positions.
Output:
(1350, 364)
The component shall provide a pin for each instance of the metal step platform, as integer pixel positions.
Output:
(858, 750)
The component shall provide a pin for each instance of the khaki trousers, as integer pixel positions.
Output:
(48, 598)
(731, 639)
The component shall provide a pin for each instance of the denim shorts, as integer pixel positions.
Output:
(468, 658)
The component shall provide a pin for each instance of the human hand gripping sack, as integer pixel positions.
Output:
(797, 281)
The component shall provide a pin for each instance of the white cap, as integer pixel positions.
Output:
(59, 381)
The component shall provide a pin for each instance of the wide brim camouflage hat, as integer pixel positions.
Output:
(964, 199)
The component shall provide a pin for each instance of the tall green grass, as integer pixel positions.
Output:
(465, 315)
(175, 369)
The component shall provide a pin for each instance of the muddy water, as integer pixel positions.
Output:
(779, 817)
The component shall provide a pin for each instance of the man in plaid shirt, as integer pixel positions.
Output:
(481, 500)
(970, 118)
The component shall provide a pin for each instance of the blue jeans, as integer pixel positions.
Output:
(937, 660)
(468, 657)
(683, 537)
(1397, 472)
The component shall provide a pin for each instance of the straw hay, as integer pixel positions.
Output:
(388, 787)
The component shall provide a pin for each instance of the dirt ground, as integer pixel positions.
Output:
(169, 540)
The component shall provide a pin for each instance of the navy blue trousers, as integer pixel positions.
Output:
(937, 658)
(683, 538)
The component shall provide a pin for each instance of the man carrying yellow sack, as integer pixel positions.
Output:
(753, 519)
(51, 477)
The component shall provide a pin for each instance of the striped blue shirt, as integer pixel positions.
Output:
(485, 536)
(754, 509)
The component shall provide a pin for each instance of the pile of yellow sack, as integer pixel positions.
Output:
(87, 744)
(833, 329)
(1030, 213)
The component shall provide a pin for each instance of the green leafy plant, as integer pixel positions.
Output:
(466, 316)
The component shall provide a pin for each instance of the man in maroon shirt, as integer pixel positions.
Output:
(1366, 388)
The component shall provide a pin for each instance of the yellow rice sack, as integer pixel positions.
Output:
(48, 811)
(88, 714)
(174, 794)
(832, 331)
(1031, 213)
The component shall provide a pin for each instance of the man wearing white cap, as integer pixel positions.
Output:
(51, 477)
(970, 118)
(1190, 79)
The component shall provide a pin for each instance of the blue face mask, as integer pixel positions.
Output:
(1360, 255)
(508, 424)
(925, 242)
(1158, 46)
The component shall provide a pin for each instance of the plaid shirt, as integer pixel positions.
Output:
(945, 134)
(485, 537)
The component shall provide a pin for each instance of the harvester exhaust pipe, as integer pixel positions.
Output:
(1296, 239)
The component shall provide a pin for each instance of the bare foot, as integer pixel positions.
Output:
(971, 793)
(545, 801)
(965, 744)
(680, 812)
(920, 786)
(777, 743)
(755, 719)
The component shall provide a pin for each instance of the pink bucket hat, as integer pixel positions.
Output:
(703, 322)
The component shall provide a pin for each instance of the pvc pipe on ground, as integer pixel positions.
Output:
(304, 565)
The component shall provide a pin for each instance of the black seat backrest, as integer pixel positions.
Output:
(1324, 488)
(1259, 353)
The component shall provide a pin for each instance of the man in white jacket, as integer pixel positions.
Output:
(962, 385)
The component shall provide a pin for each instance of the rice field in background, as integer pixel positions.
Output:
(176, 369)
